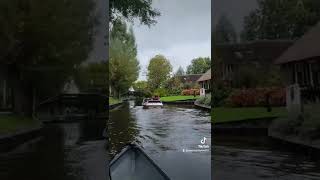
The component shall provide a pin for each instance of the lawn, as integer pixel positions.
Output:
(222, 114)
(177, 98)
(113, 101)
(12, 123)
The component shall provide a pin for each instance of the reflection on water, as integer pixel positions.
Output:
(258, 158)
(164, 133)
(62, 152)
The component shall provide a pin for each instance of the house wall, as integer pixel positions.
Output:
(303, 86)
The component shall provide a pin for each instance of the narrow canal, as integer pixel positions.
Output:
(260, 158)
(164, 133)
(64, 151)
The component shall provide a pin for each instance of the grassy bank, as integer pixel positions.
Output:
(12, 123)
(222, 114)
(177, 98)
(113, 101)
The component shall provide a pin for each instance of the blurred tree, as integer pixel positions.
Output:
(199, 65)
(43, 43)
(159, 70)
(224, 31)
(281, 19)
(92, 77)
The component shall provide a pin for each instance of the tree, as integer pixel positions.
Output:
(285, 19)
(180, 72)
(123, 64)
(140, 85)
(92, 77)
(199, 65)
(42, 43)
(129, 9)
(174, 85)
(224, 31)
(159, 70)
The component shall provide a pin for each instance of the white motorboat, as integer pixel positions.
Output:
(148, 102)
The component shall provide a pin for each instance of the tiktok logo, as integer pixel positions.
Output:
(203, 141)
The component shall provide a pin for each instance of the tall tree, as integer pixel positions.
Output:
(129, 9)
(280, 19)
(42, 43)
(123, 63)
(180, 72)
(224, 31)
(159, 70)
(199, 65)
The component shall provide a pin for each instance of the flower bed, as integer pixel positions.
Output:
(257, 97)
(190, 92)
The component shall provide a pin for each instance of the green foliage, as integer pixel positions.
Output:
(13, 123)
(174, 85)
(123, 64)
(220, 93)
(251, 76)
(204, 100)
(180, 72)
(199, 65)
(285, 19)
(224, 31)
(201, 100)
(207, 101)
(161, 92)
(129, 9)
(92, 76)
(43, 41)
(159, 70)
(140, 85)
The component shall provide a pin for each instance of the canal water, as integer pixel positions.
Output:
(260, 158)
(164, 133)
(64, 151)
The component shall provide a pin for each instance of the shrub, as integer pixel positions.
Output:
(201, 100)
(220, 92)
(207, 101)
(161, 92)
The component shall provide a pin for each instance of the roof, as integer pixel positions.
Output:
(260, 50)
(305, 48)
(189, 78)
(206, 76)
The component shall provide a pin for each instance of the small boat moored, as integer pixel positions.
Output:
(152, 102)
(132, 163)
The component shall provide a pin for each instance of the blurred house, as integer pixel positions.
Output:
(205, 82)
(257, 54)
(300, 64)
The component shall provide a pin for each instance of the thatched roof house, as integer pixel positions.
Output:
(301, 61)
(205, 80)
(305, 48)
(189, 78)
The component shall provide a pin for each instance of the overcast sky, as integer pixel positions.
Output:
(182, 32)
